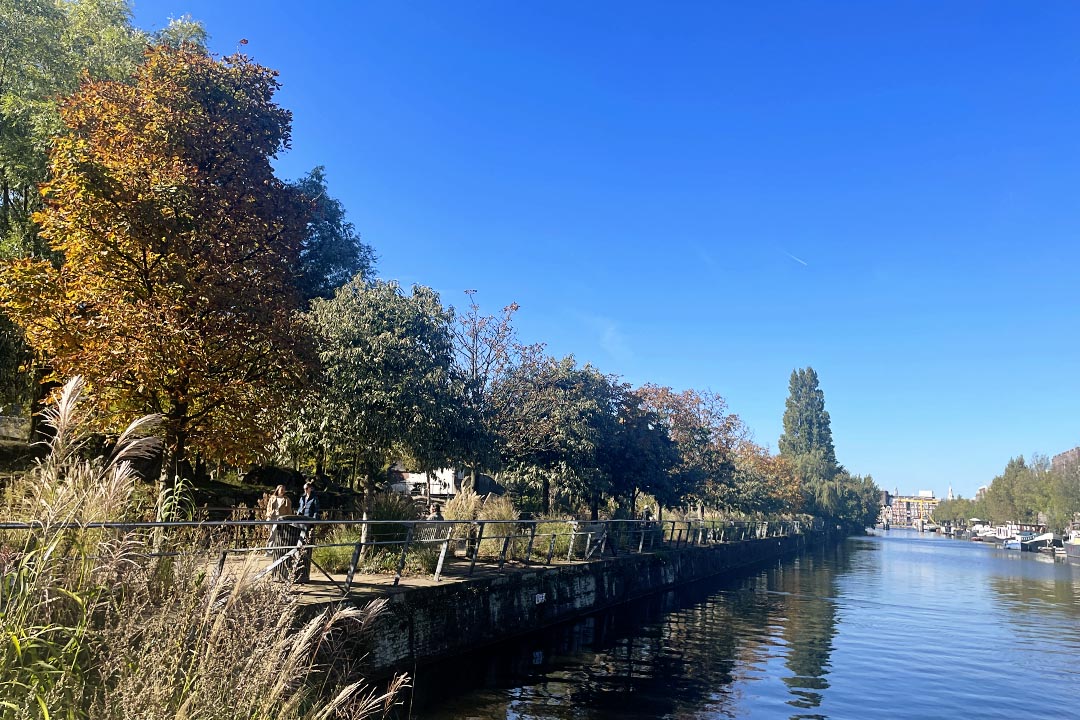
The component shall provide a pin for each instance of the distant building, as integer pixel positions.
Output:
(950, 497)
(980, 494)
(906, 509)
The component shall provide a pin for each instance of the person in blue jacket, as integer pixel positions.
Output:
(309, 502)
(309, 507)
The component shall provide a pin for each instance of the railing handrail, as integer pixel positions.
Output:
(586, 537)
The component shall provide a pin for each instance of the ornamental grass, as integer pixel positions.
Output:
(108, 624)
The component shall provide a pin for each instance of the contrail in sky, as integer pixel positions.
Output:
(798, 260)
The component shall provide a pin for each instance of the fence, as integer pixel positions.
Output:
(293, 544)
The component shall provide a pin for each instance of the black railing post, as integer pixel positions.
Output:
(352, 565)
(476, 550)
(532, 539)
(442, 556)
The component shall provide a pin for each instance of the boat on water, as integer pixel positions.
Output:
(1072, 545)
(1038, 542)
(1014, 536)
(1016, 542)
(997, 534)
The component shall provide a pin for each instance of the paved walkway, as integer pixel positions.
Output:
(322, 589)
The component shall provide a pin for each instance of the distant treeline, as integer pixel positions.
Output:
(1023, 492)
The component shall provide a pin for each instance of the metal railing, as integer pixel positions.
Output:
(291, 542)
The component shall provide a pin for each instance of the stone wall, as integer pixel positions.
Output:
(435, 622)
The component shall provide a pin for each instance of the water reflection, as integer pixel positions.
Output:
(678, 654)
(898, 624)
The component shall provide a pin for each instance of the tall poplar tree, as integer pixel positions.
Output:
(807, 444)
(807, 430)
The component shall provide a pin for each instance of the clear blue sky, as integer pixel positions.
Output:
(710, 195)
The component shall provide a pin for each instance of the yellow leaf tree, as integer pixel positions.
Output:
(177, 291)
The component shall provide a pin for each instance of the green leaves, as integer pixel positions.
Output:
(388, 380)
(829, 490)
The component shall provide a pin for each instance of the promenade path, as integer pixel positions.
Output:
(323, 588)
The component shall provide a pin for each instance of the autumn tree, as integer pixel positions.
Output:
(176, 293)
(486, 350)
(706, 433)
(388, 387)
(46, 47)
(764, 483)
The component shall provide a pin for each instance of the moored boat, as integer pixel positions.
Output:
(1072, 545)
(1037, 542)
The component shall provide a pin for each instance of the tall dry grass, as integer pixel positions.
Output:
(98, 623)
(468, 506)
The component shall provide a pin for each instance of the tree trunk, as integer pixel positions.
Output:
(39, 431)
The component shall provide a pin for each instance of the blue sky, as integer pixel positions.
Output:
(710, 195)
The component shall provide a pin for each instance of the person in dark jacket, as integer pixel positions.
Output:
(309, 502)
(309, 507)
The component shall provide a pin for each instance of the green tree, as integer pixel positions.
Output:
(176, 292)
(1064, 494)
(46, 46)
(807, 428)
(807, 443)
(552, 415)
(331, 253)
(638, 456)
(183, 31)
(1003, 497)
(388, 387)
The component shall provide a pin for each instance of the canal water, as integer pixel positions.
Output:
(896, 624)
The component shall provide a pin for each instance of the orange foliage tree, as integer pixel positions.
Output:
(705, 433)
(764, 483)
(177, 291)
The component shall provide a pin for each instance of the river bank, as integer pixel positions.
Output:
(427, 623)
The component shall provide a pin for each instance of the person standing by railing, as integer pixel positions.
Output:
(309, 502)
(277, 505)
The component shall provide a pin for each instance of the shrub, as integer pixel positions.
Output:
(336, 551)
